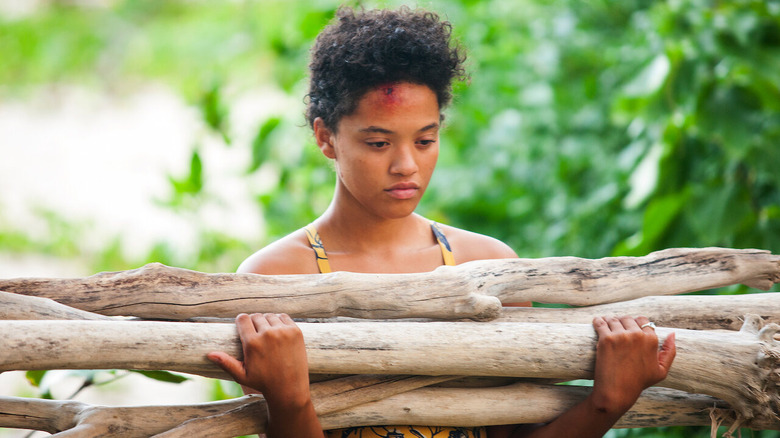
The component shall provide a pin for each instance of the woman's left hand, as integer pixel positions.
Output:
(628, 360)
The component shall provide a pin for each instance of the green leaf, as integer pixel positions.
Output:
(35, 377)
(225, 390)
(261, 146)
(191, 184)
(195, 181)
(659, 215)
(163, 376)
(215, 112)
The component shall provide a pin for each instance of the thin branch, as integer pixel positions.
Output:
(15, 307)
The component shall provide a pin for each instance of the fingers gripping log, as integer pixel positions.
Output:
(471, 290)
(738, 367)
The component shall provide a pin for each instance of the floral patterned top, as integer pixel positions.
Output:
(408, 432)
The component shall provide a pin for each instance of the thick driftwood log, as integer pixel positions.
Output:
(740, 368)
(523, 403)
(689, 312)
(465, 291)
(693, 312)
(156, 291)
(519, 403)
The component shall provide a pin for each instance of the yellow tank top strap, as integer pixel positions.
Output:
(446, 251)
(322, 257)
(319, 250)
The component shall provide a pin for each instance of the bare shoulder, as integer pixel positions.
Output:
(288, 255)
(469, 246)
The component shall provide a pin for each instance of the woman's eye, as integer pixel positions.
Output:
(378, 144)
(426, 142)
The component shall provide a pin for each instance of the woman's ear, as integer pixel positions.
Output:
(324, 138)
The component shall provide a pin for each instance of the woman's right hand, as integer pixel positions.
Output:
(274, 362)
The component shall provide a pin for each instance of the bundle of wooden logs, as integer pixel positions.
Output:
(430, 348)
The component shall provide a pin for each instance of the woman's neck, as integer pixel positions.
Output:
(349, 228)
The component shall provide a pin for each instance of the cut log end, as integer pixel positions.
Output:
(484, 308)
(766, 390)
(764, 278)
(762, 283)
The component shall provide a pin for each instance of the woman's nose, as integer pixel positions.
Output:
(404, 161)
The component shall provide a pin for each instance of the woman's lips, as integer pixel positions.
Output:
(403, 190)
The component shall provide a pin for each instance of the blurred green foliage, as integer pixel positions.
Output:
(588, 128)
(619, 128)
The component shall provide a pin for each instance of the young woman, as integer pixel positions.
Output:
(379, 82)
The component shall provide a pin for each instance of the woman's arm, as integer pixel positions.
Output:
(627, 361)
(275, 364)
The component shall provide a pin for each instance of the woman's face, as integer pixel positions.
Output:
(385, 151)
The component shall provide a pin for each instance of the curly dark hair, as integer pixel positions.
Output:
(362, 49)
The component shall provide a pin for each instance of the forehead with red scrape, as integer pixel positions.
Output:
(387, 89)
(388, 93)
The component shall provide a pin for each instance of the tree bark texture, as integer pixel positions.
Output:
(471, 290)
(740, 368)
